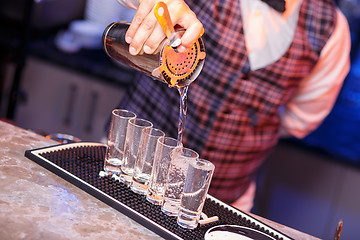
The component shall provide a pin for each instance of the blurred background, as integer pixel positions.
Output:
(55, 78)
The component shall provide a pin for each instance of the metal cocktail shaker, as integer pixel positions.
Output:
(168, 65)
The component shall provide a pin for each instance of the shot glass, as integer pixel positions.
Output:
(116, 140)
(144, 160)
(131, 148)
(197, 182)
(162, 158)
(174, 187)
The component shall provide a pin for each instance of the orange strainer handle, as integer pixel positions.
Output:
(163, 16)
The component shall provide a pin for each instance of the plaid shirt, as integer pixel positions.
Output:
(232, 115)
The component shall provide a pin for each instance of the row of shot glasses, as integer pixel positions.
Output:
(157, 166)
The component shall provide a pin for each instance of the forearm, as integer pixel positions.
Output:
(318, 92)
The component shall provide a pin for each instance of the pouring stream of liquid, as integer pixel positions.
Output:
(183, 110)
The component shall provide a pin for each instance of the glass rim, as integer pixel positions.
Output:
(123, 113)
(153, 132)
(140, 122)
(191, 151)
(169, 142)
(205, 164)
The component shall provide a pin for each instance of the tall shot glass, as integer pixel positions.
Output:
(174, 187)
(144, 160)
(162, 158)
(116, 140)
(131, 148)
(198, 178)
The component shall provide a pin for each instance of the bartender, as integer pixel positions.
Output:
(272, 69)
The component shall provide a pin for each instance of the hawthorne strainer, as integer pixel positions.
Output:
(177, 68)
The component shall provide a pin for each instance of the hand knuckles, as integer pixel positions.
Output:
(177, 7)
(147, 25)
(199, 25)
(138, 19)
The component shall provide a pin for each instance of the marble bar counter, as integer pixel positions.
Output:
(37, 204)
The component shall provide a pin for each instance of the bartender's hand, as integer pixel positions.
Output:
(145, 33)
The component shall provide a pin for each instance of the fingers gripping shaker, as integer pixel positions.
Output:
(166, 64)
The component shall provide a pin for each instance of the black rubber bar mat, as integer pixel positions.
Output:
(80, 164)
